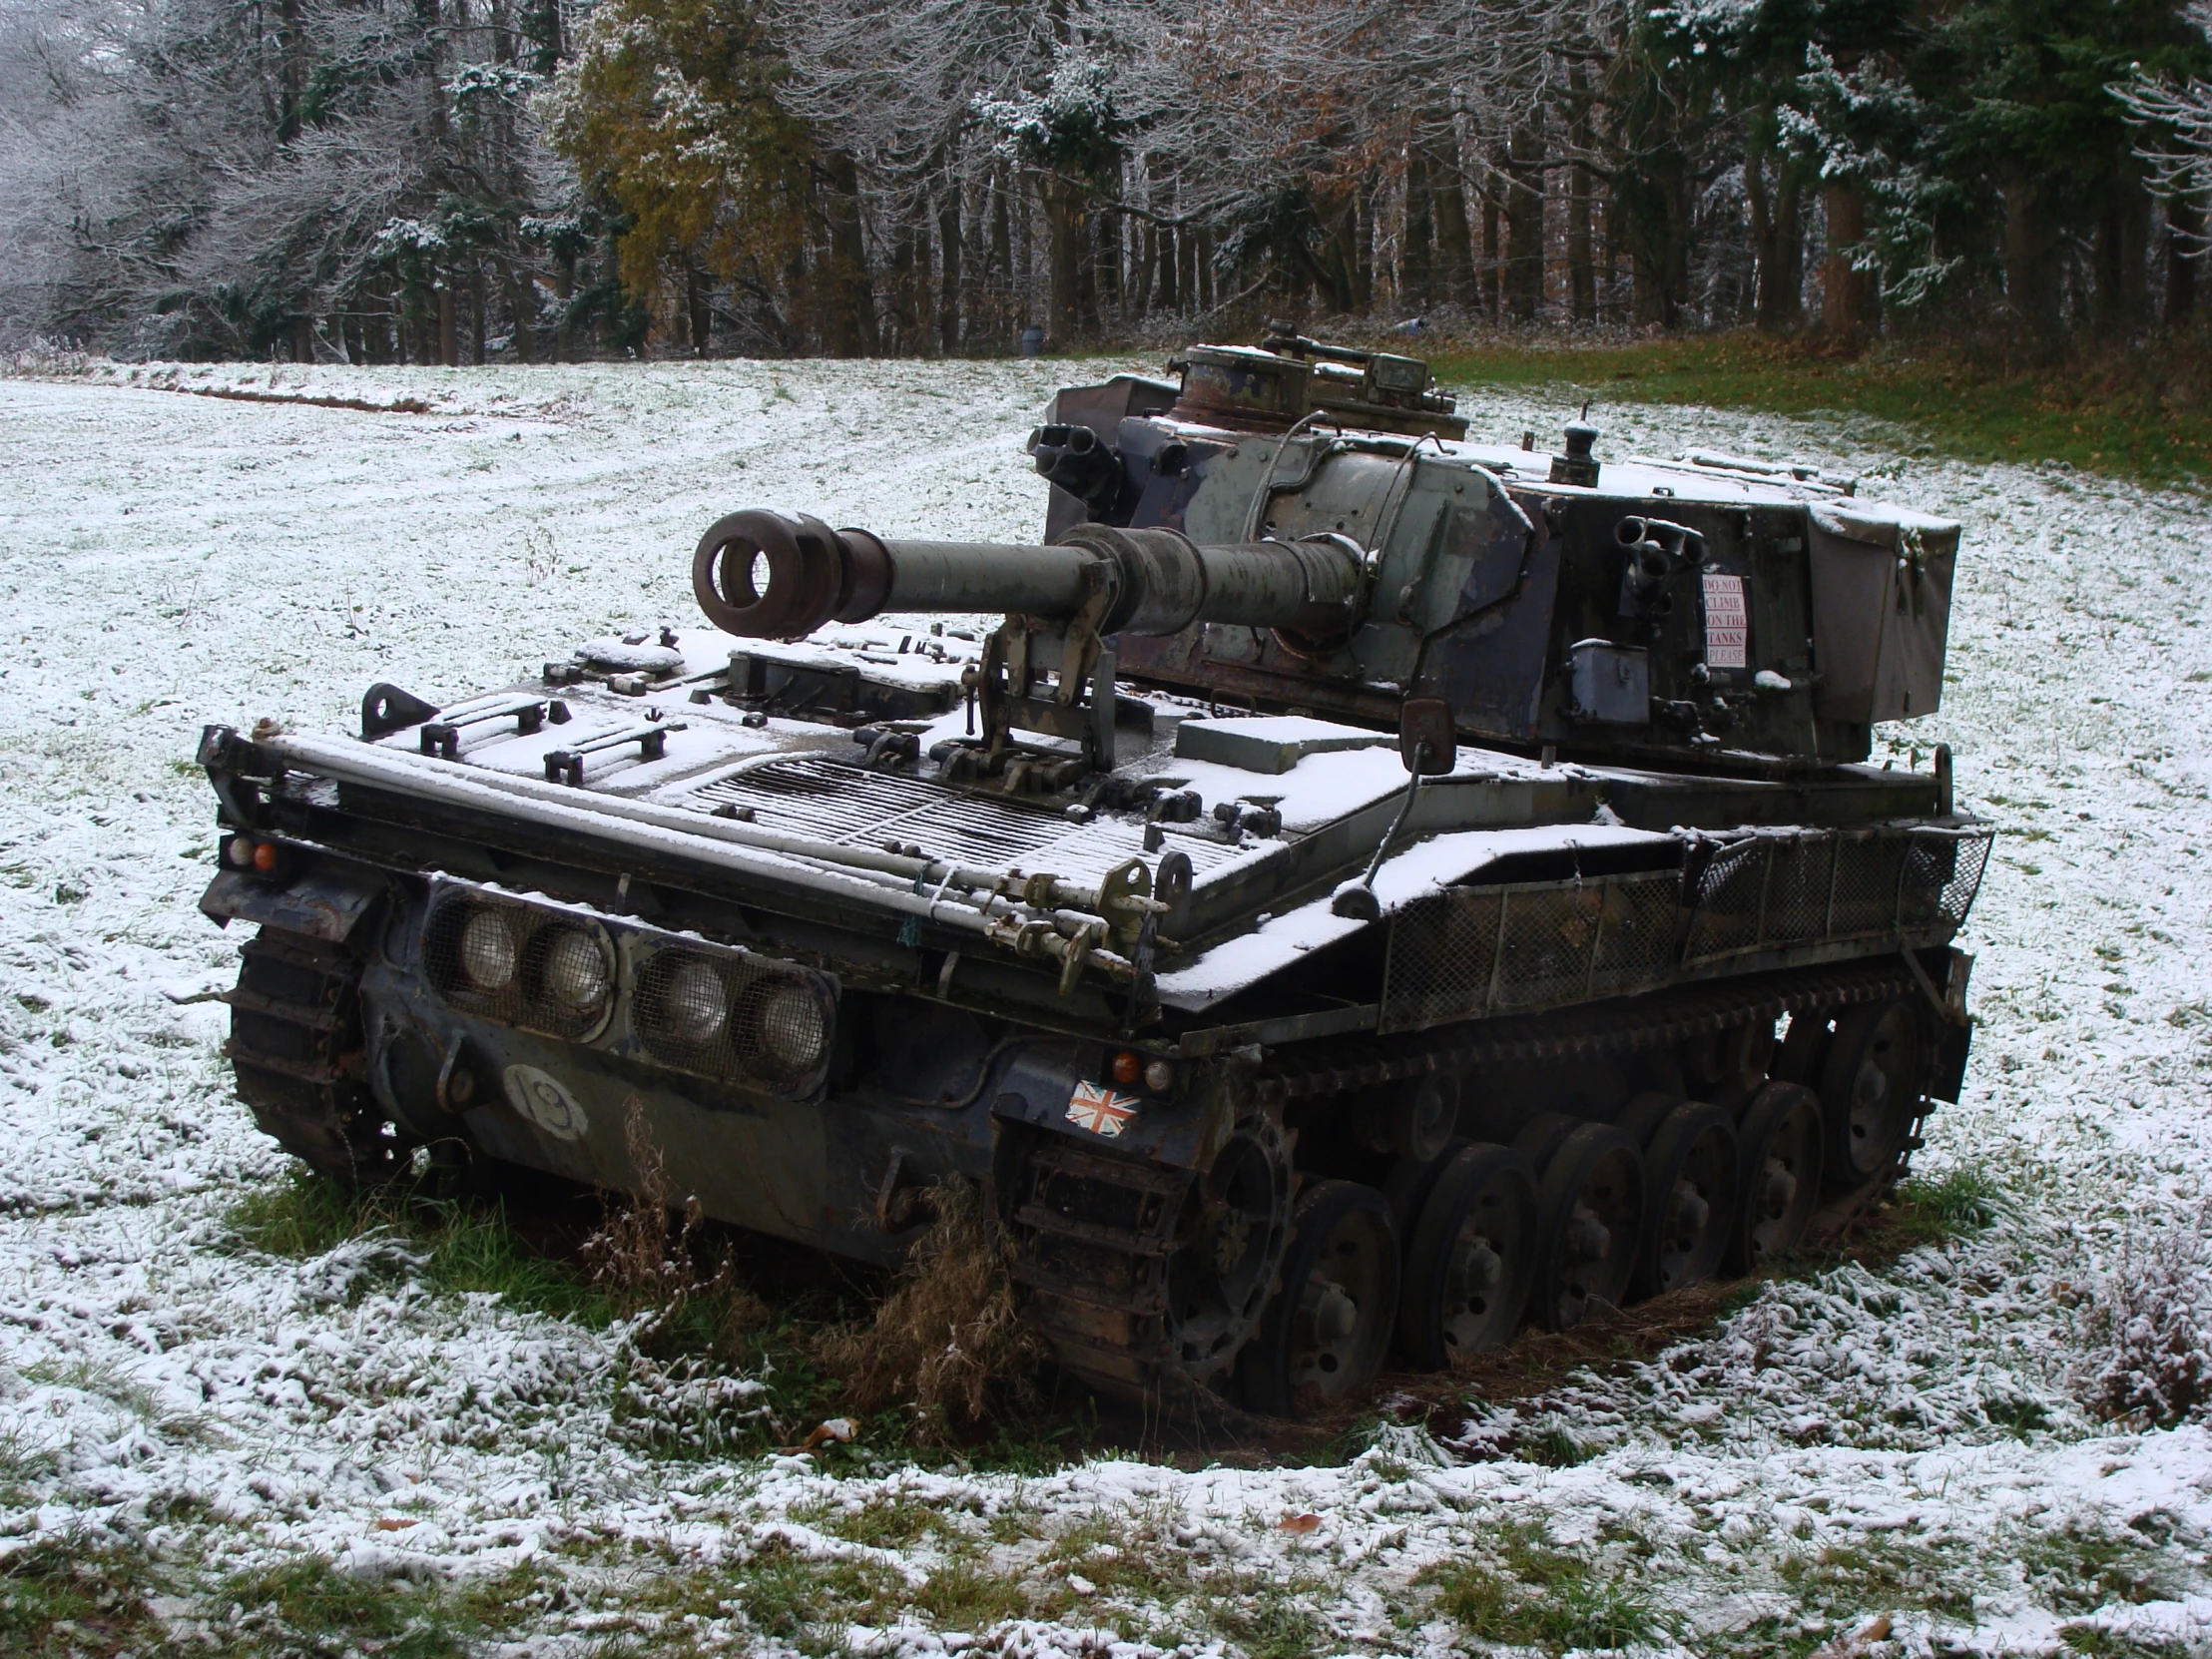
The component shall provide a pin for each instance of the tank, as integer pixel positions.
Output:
(1343, 892)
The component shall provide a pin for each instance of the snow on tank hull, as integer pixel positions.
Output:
(1273, 1056)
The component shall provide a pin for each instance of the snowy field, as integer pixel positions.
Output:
(1911, 1456)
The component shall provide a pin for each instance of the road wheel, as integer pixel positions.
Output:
(1470, 1260)
(1589, 1203)
(1407, 1185)
(1779, 1164)
(1322, 1338)
(1691, 1180)
(1871, 1090)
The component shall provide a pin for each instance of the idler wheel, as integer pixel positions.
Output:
(1322, 1338)
(1870, 1090)
(1230, 1235)
(1779, 1164)
(1691, 1179)
(1589, 1208)
(1471, 1258)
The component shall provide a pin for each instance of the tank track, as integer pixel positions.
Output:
(1093, 1233)
(1656, 1021)
(296, 1049)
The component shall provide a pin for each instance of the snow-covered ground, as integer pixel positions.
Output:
(1911, 1445)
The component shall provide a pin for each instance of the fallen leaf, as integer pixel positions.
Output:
(1855, 1645)
(1298, 1524)
(393, 1523)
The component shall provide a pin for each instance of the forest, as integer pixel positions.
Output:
(470, 181)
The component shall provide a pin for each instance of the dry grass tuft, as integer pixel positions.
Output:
(648, 1265)
(2149, 1325)
(946, 1344)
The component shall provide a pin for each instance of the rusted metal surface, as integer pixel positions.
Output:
(317, 903)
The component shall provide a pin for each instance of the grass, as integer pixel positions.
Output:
(309, 1607)
(1950, 1206)
(2106, 1644)
(1534, 1595)
(66, 1600)
(478, 1246)
(1881, 1572)
(2078, 1569)
(61, 1599)
(2139, 413)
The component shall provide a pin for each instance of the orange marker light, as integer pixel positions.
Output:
(266, 856)
(1128, 1066)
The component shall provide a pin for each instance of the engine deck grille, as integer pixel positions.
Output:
(846, 804)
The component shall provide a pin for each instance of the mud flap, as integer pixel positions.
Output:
(1958, 1032)
(321, 903)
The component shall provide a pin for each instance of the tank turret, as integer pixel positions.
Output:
(1237, 535)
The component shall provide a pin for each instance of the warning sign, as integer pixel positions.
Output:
(1727, 622)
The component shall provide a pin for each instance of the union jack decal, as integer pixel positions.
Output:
(1099, 1110)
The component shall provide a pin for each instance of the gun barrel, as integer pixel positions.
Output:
(770, 575)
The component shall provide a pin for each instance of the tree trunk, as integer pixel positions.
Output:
(2031, 273)
(1492, 298)
(1064, 252)
(542, 23)
(1581, 267)
(1202, 263)
(1362, 222)
(850, 311)
(898, 293)
(1778, 247)
(1454, 249)
(697, 308)
(1524, 225)
(1106, 283)
(564, 291)
(2183, 222)
(522, 301)
(1006, 310)
(1843, 285)
(949, 249)
(449, 343)
(1417, 253)
(2122, 264)
(293, 69)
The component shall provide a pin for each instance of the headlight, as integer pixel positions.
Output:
(696, 1005)
(575, 971)
(488, 954)
(792, 1031)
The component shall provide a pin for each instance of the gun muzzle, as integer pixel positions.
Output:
(770, 575)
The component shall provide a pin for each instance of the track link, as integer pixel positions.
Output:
(1339, 1066)
(1093, 1235)
(296, 1047)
